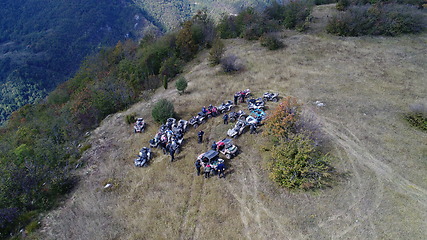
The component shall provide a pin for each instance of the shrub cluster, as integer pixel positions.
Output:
(40, 143)
(271, 42)
(417, 116)
(163, 110)
(293, 15)
(231, 63)
(251, 25)
(379, 19)
(297, 161)
(216, 52)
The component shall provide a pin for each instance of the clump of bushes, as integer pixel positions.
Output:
(417, 116)
(271, 42)
(379, 19)
(163, 110)
(130, 118)
(297, 161)
(342, 5)
(292, 15)
(231, 63)
(216, 52)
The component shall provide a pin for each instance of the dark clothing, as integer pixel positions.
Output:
(253, 128)
(235, 99)
(213, 146)
(198, 166)
(163, 146)
(200, 135)
(172, 153)
(225, 118)
(221, 170)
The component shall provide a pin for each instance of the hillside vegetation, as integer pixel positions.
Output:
(42, 43)
(36, 169)
(365, 84)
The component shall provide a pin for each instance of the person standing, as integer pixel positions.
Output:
(225, 117)
(253, 128)
(236, 97)
(221, 170)
(200, 135)
(207, 170)
(172, 153)
(213, 146)
(198, 166)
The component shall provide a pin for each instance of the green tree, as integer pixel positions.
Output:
(216, 52)
(181, 84)
(163, 110)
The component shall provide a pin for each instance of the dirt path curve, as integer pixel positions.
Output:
(354, 147)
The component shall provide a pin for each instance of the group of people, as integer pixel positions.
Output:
(218, 169)
(241, 95)
(169, 137)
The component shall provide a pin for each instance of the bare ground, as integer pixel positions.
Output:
(366, 85)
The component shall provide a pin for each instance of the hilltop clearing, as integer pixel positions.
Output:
(365, 83)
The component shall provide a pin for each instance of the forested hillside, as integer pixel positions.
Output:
(43, 42)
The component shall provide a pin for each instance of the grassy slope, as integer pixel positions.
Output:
(366, 83)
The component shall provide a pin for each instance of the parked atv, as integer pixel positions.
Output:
(227, 148)
(259, 113)
(182, 124)
(252, 120)
(144, 157)
(212, 111)
(242, 95)
(268, 96)
(170, 122)
(238, 129)
(256, 104)
(225, 107)
(197, 120)
(139, 125)
(233, 116)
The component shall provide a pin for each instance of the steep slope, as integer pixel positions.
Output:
(365, 83)
(42, 43)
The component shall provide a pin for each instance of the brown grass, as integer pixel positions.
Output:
(366, 83)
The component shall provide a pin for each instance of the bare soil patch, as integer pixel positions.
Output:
(366, 84)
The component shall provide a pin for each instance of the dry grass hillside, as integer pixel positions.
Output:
(366, 84)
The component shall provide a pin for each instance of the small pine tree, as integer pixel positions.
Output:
(181, 84)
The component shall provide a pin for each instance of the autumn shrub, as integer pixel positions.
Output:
(163, 110)
(271, 42)
(417, 116)
(296, 159)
